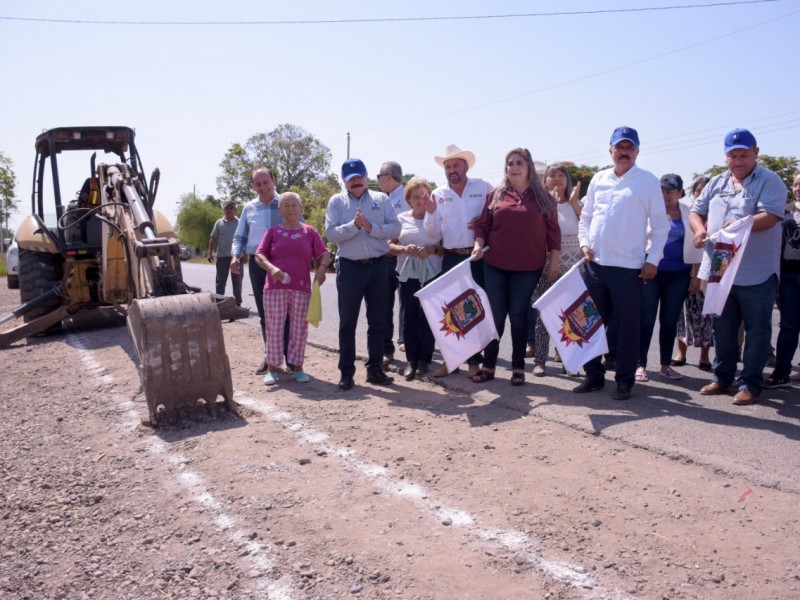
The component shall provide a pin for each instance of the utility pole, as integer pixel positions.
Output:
(348, 145)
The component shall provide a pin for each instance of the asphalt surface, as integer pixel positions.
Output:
(759, 443)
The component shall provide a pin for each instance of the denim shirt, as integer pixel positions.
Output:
(761, 191)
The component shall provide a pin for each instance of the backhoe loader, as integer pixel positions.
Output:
(110, 248)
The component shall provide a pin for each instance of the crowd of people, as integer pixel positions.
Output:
(647, 252)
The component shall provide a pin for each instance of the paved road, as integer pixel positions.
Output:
(759, 443)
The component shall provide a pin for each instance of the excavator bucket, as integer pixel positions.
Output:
(183, 364)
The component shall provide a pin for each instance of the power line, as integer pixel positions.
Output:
(578, 79)
(391, 19)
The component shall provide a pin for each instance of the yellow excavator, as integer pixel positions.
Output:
(109, 248)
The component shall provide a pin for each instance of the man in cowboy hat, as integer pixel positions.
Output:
(451, 213)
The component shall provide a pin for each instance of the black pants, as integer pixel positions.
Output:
(223, 268)
(356, 282)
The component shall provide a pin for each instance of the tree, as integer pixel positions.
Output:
(785, 166)
(237, 167)
(294, 156)
(8, 202)
(196, 219)
(582, 173)
(315, 200)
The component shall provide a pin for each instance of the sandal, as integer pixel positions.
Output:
(482, 376)
(641, 375)
(517, 378)
(670, 373)
(704, 366)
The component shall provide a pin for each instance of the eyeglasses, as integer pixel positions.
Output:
(382, 175)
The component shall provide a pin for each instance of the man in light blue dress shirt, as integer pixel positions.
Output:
(361, 223)
(257, 216)
(390, 180)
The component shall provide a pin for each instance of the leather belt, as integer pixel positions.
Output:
(461, 251)
(363, 261)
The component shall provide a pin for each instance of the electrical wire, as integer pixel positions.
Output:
(390, 19)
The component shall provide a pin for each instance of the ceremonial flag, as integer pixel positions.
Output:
(571, 318)
(729, 244)
(459, 314)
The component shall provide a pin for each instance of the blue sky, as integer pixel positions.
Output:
(557, 85)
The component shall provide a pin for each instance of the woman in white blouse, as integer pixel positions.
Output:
(419, 259)
(558, 182)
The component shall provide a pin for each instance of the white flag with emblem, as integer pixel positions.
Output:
(729, 244)
(571, 318)
(459, 314)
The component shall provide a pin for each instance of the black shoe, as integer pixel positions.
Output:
(263, 368)
(621, 393)
(423, 368)
(589, 385)
(410, 371)
(379, 378)
(346, 383)
(776, 381)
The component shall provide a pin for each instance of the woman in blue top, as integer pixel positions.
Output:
(672, 283)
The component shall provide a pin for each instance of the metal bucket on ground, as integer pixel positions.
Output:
(183, 364)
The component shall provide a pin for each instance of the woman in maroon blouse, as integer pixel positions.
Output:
(519, 226)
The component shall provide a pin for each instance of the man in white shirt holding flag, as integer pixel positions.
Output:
(746, 188)
(620, 204)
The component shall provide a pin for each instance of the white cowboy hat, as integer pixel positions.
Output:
(453, 151)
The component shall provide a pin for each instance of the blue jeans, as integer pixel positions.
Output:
(789, 332)
(357, 282)
(669, 289)
(509, 294)
(617, 292)
(751, 304)
(417, 334)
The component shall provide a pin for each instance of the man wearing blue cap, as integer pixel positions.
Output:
(746, 188)
(361, 222)
(621, 204)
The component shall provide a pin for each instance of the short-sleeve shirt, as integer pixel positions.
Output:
(224, 232)
(413, 232)
(761, 191)
(454, 212)
(291, 250)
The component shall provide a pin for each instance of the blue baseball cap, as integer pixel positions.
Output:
(624, 133)
(739, 139)
(353, 168)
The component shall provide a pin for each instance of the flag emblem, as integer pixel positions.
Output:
(462, 314)
(720, 259)
(580, 321)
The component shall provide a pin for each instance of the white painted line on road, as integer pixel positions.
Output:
(517, 541)
(277, 589)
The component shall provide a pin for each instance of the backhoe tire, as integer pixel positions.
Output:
(37, 274)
